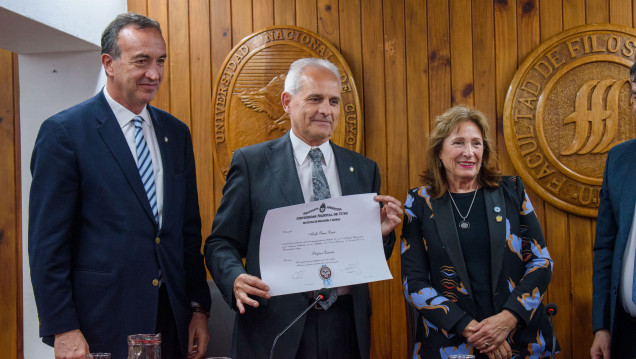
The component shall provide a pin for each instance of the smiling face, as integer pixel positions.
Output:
(461, 155)
(134, 78)
(315, 108)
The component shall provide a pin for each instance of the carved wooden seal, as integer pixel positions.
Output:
(568, 104)
(246, 106)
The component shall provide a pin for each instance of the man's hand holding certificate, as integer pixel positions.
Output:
(329, 243)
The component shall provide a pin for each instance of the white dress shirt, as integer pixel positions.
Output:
(124, 118)
(303, 167)
(627, 272)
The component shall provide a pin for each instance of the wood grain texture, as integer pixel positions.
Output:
(328, 21)
(10, 245)
(201, 107)
(596, 11)
(461, 52)
(409, 59)
(179, 60)
(417, 92)
(397, 181)
(581, 259)
(307, 14)
(241, 20)
(263, 14)
(284, 12)
(158, 10)
(439, 76)
(620, 12)
(138, 6)
(506, 58)
(484, 61)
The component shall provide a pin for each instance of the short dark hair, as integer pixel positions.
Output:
(109, 36)
(632, 72)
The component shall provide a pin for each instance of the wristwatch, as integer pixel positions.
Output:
(199, 309)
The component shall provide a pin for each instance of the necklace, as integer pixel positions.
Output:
(464, 224)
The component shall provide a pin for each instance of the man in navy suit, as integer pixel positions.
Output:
(614, 295)
(275, 174)
(111, 255)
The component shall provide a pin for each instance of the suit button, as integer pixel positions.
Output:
(613, 290)
(157, 240)
(155, 282)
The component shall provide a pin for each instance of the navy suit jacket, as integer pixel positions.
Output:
(615, 216)
(94, 248)
(262, 177)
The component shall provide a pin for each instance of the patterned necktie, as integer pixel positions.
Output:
(321, 191)
(144, 163)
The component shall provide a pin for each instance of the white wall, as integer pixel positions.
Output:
(59, 66)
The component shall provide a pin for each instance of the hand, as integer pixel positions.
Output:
(199, 334)
(390, 213)
(470, 329)
(70, 345)
(601, 345)
(246, 284)
(502, 352)
(492, 331)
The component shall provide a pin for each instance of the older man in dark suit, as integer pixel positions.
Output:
(114, 225)
(614, 293)
(280, 173)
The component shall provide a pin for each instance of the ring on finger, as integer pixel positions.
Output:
(498, 355)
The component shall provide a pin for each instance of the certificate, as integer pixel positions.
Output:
(329, 243)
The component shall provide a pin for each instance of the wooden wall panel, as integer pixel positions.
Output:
(411, 59)
(10, 210)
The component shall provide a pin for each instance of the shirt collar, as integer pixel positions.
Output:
(124, 115)
(301, 149)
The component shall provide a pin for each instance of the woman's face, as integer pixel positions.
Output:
(461, 155)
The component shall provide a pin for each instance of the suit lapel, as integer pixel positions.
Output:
(280, 157)
(165, 151)
(497, 231)
(446, 228)
(344, 162)
(113, 136)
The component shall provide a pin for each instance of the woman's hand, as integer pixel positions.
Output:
(491, 332)
(502, 352)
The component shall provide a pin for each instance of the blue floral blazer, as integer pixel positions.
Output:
(436, 282)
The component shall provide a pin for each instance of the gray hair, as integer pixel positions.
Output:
(109, 36)
(292, 81)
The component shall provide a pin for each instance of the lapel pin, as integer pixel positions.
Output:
(497, 209)
(498, 218)
(351, 169)
(165, 139)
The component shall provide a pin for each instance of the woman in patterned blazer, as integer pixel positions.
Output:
(474, 261)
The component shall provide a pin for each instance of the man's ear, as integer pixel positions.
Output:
(285, 98)
(107, 62)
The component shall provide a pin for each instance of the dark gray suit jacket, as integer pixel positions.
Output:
(262, 177)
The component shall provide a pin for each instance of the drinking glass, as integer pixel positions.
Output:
(98, 356)
(144, 346)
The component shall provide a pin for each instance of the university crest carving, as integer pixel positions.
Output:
(568, 104)
(246, 106)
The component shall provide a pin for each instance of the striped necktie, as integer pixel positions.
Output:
(144, 164)
(321, 191)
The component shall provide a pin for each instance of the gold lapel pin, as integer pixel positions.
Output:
(165, 139)
(351, 169)
(498, 218)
